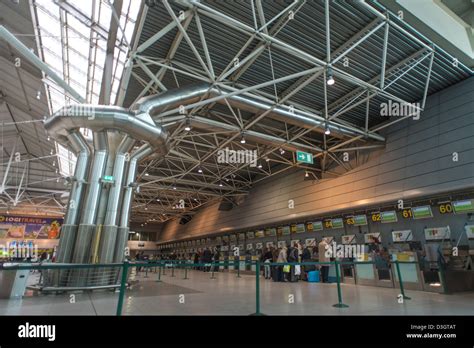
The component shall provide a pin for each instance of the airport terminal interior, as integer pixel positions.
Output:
(250, 157)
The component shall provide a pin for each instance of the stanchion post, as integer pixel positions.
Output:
(122, 288)
(185, 271)
(212, 271)
(159, 273)
(146, 272)
(339, 292)
(400, 281)
(172, 268)
(238, 268)
(257, 289)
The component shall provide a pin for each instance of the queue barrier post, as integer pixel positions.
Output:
(238, 268)
(185, 271)
(400, 281)
(146, 272)
(257, 290)
(212, 271)
(172, 268)
(164, 268)
(123, 282)
(159, 273)
(340, 304)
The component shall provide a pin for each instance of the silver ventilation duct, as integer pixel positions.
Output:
(172, 99)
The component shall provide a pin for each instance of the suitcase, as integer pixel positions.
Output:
(313, 277)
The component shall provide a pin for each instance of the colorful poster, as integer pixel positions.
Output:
(24, 227)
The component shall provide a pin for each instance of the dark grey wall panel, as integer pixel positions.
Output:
(416, 161)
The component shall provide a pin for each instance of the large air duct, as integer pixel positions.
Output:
(157, 105)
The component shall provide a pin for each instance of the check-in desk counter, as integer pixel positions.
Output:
(231, 264)
(347, 271)
(253, 267)
(365, 272)
(409, 271)
(242, 263)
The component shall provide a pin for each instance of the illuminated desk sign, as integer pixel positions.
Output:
(349, 239)
(469, 231)
(334, 223)
(387, 217)
(402, 236)
(437, 233)
(241, 236)
(463, 207)
(422, 212)
(310, 242)
(249, 246)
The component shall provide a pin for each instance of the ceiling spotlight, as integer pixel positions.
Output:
(259, 165)
(220, 184)
(199, 170)
(242, 140)
(174, 187)
(282, 151)
(187, 128)
(146, 208)
(267, 158)
(306, 174)
(227, 179)
(158, 200)
(146, 174)
(327, 131)
(330, 78)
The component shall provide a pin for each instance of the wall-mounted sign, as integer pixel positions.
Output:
(233, 238)
(422, 212)
(241, 247)
(445, 208)
(463, 207)
(24, 227)
(317, 225)
(293, 228)
(310, 242)
(250, 235)
(407, 213)
(348, 239)
(259, 246)
(249, 246)
(225, 248)
(387, 217)
(203, 241)
(360, 220)
(402, 236)
(241, 236)
(372, 238)
(285, 230)
(281, 243)
(260, 234)
(469, 231)
(270, 232)
(225, 238)
(300, 228)
(219, 240)
(437, 233)
(269, 244)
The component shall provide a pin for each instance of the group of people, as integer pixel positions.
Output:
(296, 253)
(205, 257)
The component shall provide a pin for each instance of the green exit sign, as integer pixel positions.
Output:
(108, 178)
(304, 157)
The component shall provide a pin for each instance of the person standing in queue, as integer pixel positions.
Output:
(323, 246)
(281, 259)
(267, 259)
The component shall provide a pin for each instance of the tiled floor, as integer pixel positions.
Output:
(229, 295)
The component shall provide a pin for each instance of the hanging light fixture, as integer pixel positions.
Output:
(330, 78)
(187, 127)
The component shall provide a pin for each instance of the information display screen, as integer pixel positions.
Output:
(462, 207)
(300, 228)
(285, 230)
(250, 235)
(360, 220)
(270, 232)
(260, 233)
(388, 217)
(334, 223)
(422, 212)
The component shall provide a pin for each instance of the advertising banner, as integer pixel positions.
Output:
(24, 227)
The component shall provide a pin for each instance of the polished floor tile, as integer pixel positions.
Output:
(229, 295)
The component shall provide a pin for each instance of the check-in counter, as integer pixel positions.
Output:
(347, 272)
(409, 270)
(242, 263)
(365, 274)
(254, 259)
(231, 266)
